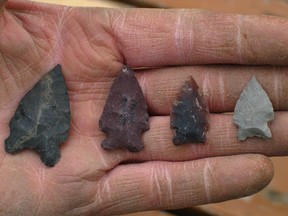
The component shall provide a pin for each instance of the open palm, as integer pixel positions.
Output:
(92, 45)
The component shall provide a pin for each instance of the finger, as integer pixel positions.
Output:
(221, 86)
(166, 185)
(180, 37)
(221, 141)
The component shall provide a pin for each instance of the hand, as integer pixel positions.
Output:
(92, 45)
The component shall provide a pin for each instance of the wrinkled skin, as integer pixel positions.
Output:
(92, 45)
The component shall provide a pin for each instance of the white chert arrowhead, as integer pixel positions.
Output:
(253, 111)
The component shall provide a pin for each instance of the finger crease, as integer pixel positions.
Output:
(207, 178)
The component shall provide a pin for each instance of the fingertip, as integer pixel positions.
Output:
(252, 173)
(264, 172)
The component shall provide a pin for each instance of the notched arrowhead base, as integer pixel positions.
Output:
(189, 115)
(125, 116)
(42, 119)
(252, 112)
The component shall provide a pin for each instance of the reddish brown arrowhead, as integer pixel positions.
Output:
(189, 115)
(125, 115)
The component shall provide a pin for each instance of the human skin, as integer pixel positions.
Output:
(92, 45)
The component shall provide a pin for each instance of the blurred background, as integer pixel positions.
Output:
(273, 200)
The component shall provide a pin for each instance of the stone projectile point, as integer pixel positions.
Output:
(125, 115)
(42, 119)
(189, 115)
(252, 112)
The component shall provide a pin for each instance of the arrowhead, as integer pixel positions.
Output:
(252, 112)
(189, 115)
(125, 116)
(42, 119)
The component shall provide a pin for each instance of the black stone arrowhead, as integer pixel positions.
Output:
(189, 115)
(42, 119)
(125, 116)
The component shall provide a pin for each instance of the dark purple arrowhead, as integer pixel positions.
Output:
(125, 115)
(189, 115)
(42, 119)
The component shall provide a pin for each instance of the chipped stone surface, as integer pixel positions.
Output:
(189, 115)
(125, 116)
(252, 112)
(42, 119)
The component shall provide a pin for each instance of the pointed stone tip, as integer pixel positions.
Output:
(189, 84)
(253, 80)
(57, 67)
(55, 73)
(127, 70)
(192, 82)
(255, 84)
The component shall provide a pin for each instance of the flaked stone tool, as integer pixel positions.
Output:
(125, 116)
(189, 115)
(253, 111)
(42, 119)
